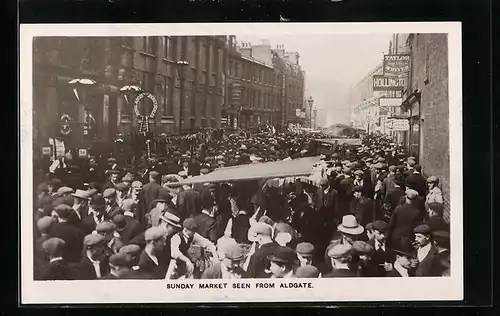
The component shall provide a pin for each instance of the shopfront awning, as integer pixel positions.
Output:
(263, 170)
(341, 141)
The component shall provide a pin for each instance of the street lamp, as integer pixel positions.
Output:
(182, 67)
(310, 101)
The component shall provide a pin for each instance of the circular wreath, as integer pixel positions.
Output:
(139, 98)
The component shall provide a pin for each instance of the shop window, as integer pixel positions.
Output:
(170, 48)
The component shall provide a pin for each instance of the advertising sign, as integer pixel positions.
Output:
(390, 102)
(397, 124)
(396, 65)
(82, 152)
(297, 112)
(382, 83)
(46, 151)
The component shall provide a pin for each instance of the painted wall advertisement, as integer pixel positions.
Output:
(396, 65)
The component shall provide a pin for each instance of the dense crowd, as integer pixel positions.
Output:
(365, 211)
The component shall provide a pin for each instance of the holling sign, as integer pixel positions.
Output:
(382, 83)
(396, 65)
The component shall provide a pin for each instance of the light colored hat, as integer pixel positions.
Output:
(129, 204)
(81, 194)
(340, 251)
(350, 226)
(64, 190)
(411, 194)
(109, 192)
(155, 233)
(136, 185)
(171, 219)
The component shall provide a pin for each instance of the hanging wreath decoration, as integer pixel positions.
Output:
(136, 105)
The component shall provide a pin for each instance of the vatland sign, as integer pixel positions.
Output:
(396, 65)
(383, 83)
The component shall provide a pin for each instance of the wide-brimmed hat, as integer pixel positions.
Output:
(171, 219)
(81, 194)
(350, 226)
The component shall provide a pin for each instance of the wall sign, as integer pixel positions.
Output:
(46, 151)
(383, 83)
(396, 65)
(82, 152)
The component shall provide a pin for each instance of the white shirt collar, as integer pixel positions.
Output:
(422, 252)
(207, 212)
(92, 260)
(378, 245)
(128, 213)
(56, 259)
(150, 254)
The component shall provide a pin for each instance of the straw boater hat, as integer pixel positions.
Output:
(81, 194)
(350, 226)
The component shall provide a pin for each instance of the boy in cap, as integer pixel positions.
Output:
(282, 262)
(340, 258)
(305, 252)
(425, 249)
(57, 268)
(182, 241)
(230, 266)
(119, 267)
(94, 263)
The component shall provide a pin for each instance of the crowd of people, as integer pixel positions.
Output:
(365, 211)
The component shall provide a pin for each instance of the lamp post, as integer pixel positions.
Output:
(182, 67)
(310, 101)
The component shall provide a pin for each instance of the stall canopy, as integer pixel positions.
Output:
(263, 170)
(341, 141)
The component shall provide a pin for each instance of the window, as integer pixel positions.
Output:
(170, 48)
(150, 44)
(230, 66)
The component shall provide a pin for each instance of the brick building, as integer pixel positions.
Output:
(428, 106)
(253, 86)
(112, 62)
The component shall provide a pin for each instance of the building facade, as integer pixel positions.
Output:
(426, 102)
(100, 110)
(254, 86)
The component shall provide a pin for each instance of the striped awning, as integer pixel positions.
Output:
(263, 170)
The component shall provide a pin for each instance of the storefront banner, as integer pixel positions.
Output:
(397, 124)
(396, 65)
(383, 83)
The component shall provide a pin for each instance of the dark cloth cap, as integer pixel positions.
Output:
(381, 226)
(284, 255)
(120, 222)
(362, 247)
(119, 260)
(121, 186)
(357, 188)
(305, 249)
(53, 246)
(190, 223)
(307, 272)
(63, 211)
(97, 200)
(422, 229)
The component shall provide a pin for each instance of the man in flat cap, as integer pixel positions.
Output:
(259, 264)
(188, 202)
(94, 263)
(113, 180)
(304, 272)
(340, 258)
(382, 257)
(230, 266)
(305, 252)
(119, 267)
(57, 267)
(73, 236)
(153, 259)
(80, 207)
(112, 239)
(282, 262)
(425, 249)
(441, 263)
(97, 214)
(150, 189)
(361, 207)
(388, 182)
(44, 226)
(362, 259)
(134, 254)
(158, 206)
(138, 196)
(403, 220)
(434, 192)
(112, 208)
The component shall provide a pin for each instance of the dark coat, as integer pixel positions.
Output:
(88, 223)
(424, 266)
(404, 219)
(150, 192)
(114, 210)
(437, 223)
(367, 183)
(147, 265)
(73, 236)
(379, 257)
(418, 183)
(436, 267)
(258, 261)
(189, 203)
(362, 209)
(329, 203)
(132, 229)
(206, 227)
(85, 269)
(340, 273)
(57, 270)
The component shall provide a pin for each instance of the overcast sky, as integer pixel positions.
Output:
(333, 64)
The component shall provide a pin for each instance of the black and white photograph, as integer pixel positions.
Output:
(264, 162)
